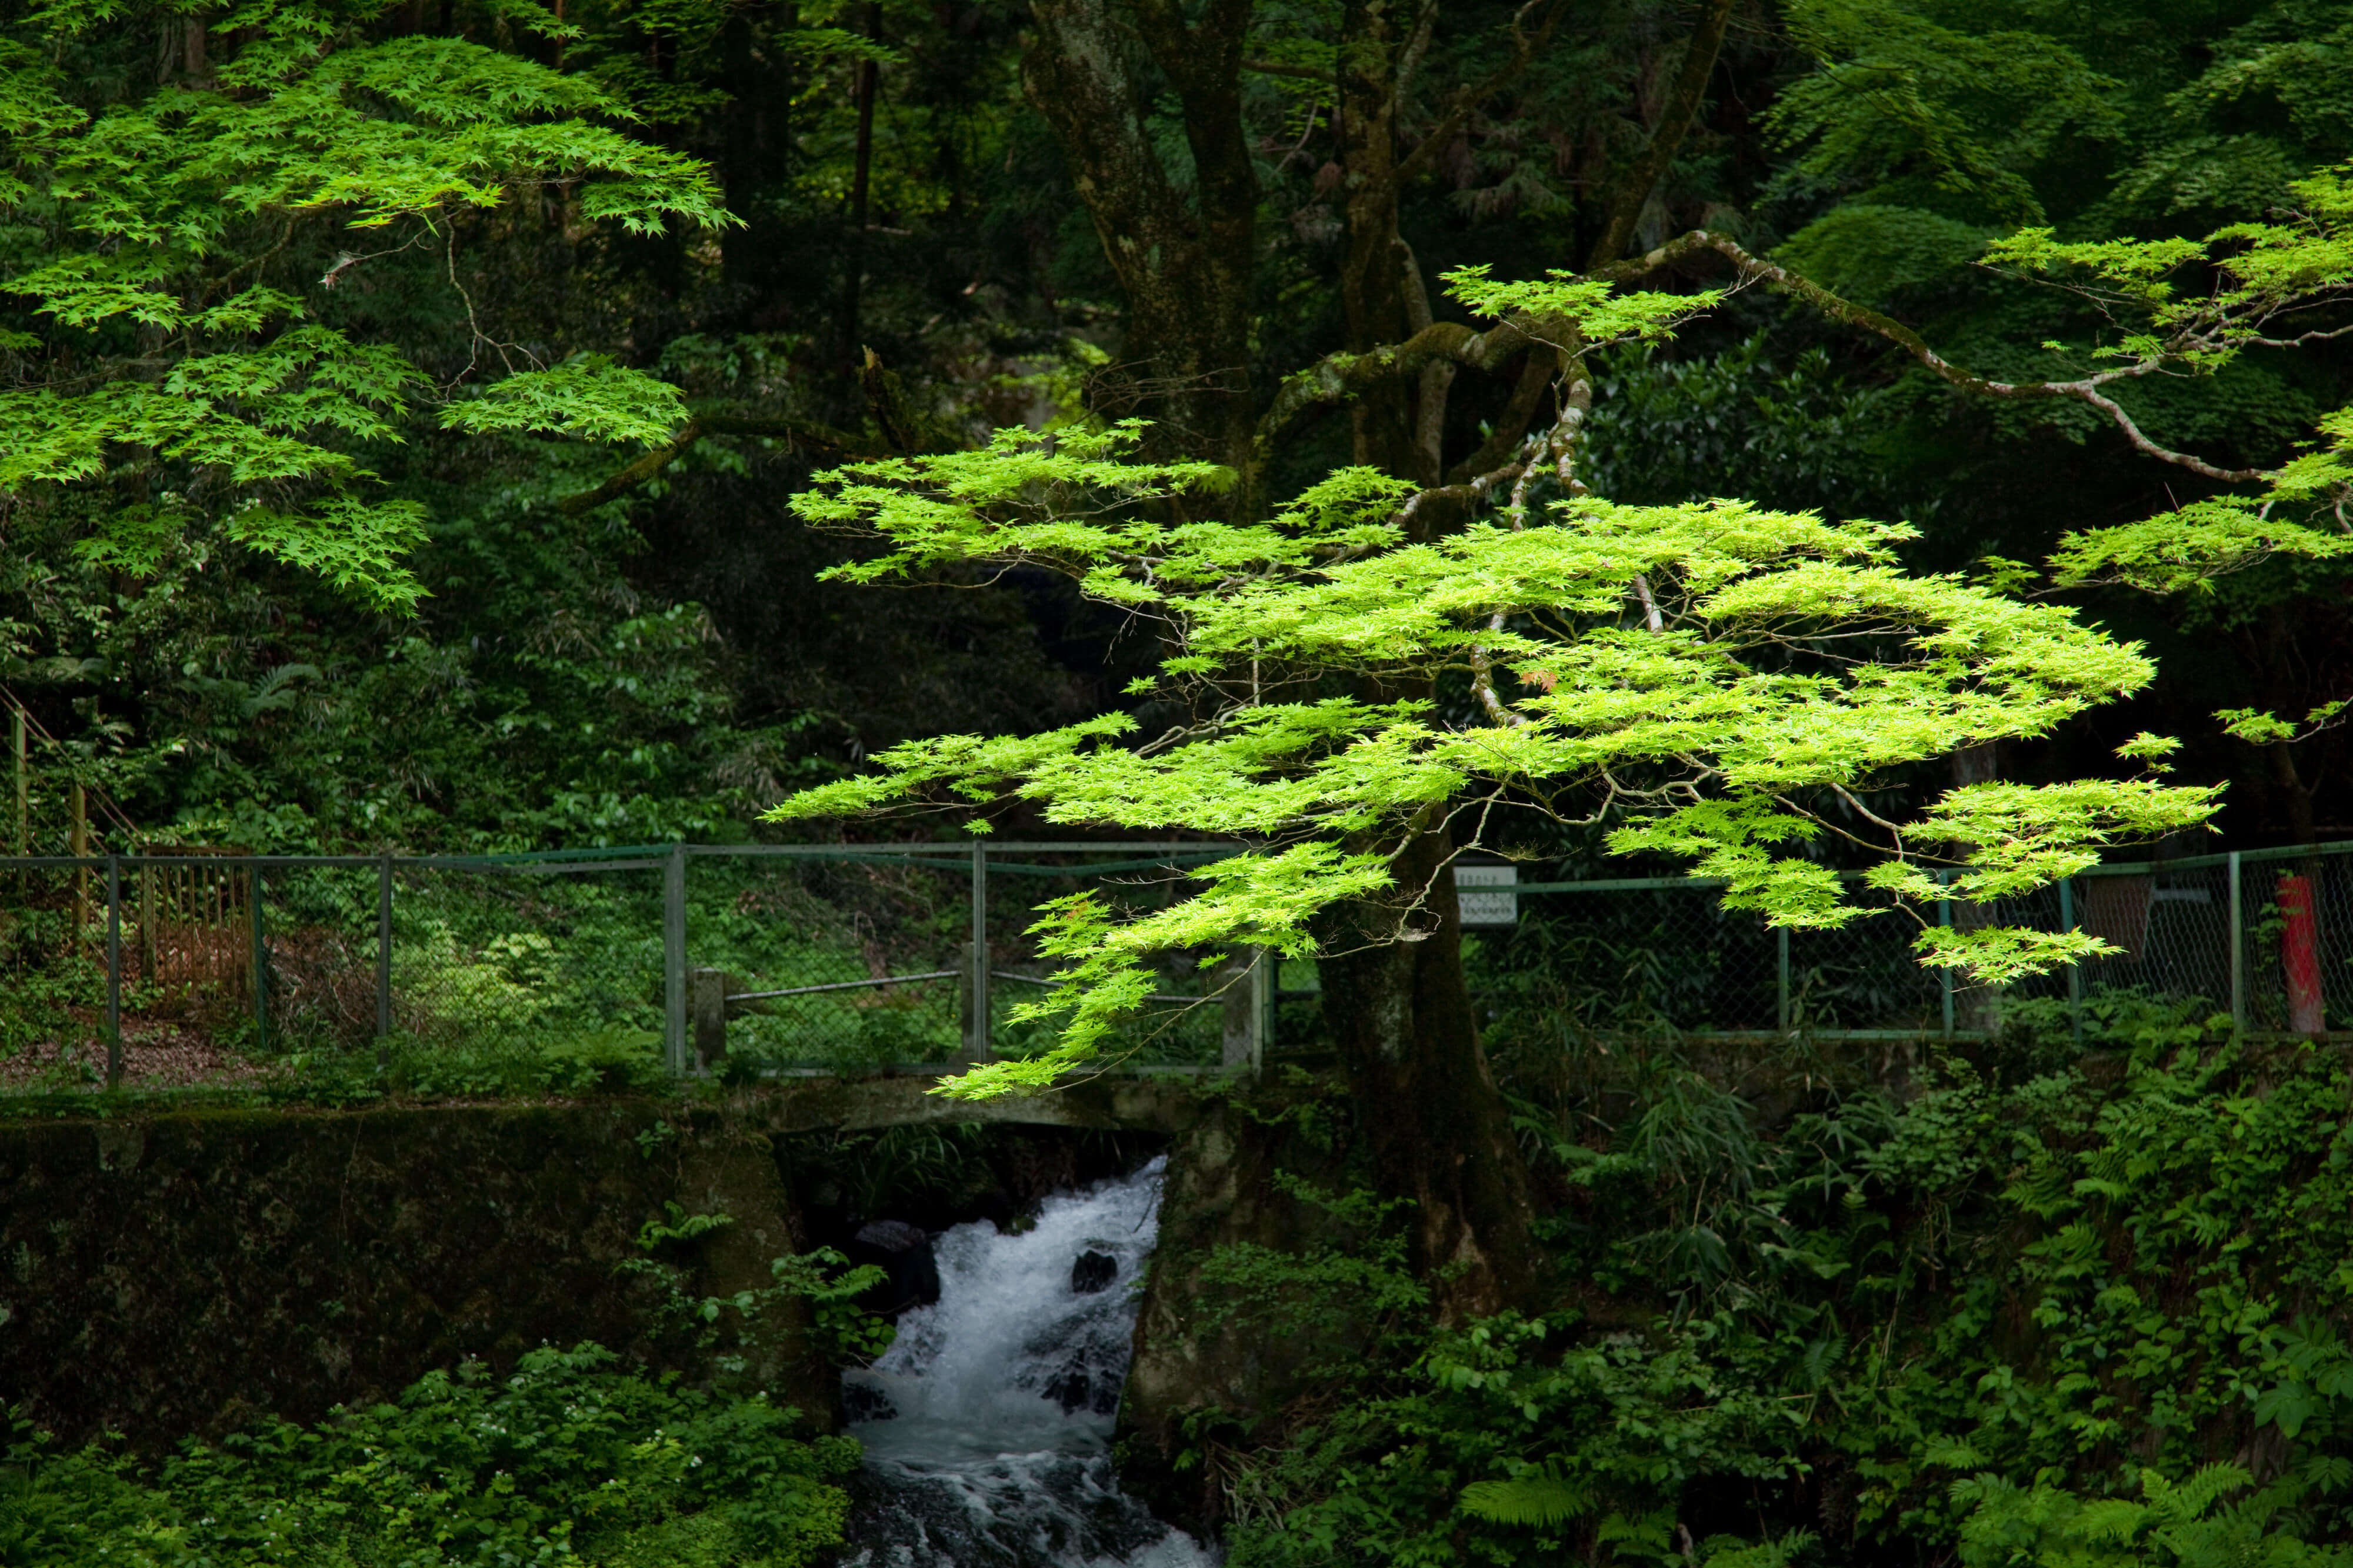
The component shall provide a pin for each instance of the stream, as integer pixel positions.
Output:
(987, 1423)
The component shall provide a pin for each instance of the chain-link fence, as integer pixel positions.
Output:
(199, 964)
(818, 960)
(556, 968)
(2264, 935)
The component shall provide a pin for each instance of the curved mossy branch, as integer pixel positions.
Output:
(1535, 377)
(1336, 377)
(2083, 389)
(1339, 376)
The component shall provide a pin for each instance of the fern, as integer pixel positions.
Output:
(1544, 1497)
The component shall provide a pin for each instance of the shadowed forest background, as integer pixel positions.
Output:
(664, 664)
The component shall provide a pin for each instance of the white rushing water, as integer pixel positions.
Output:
(987, 1423)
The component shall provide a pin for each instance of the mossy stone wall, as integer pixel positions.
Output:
(181, 1273)
(1194, 1364)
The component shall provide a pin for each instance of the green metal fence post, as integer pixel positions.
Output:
(113, 971)
(674, 961)
(978, 1046)
(1944, 919)
(24, 790)
(2075, 968)
(2238, 955)
(383, 959)
(259, 934)
(1262, 979)
(1784, 985)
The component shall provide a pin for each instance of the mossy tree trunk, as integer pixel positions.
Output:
(1182, 243)
(1439, 1133)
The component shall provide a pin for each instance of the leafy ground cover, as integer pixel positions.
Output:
(572, 1458)
(2038, 1308)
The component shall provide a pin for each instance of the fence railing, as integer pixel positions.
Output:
(2266, 935)
(812, 959)
(785, 958)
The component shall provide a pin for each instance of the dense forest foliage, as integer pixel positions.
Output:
(662, 663)
(417, 428)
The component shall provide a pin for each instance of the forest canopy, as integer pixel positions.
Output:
(364, 355)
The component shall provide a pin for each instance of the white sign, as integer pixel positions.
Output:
(1484, 892)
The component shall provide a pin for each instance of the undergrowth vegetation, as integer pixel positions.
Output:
(2039, 1308)
(569, 1458)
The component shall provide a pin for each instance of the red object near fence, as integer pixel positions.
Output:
(2307, 1011)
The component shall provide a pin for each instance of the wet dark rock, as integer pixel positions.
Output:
(1076, 1387)
(1093, 1271)
(861, 1401)
(903, 1252)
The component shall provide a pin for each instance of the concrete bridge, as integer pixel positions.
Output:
(1129, 1101)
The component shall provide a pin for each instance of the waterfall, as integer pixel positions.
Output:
(988, 1422)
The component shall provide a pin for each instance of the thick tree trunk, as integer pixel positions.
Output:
(1183, 258)
(1399, 1010)
(1375, 41)
(1977, 1008)
(1402, 1021)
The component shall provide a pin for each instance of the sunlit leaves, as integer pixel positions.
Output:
(1592, 311)
(174, 218)
(1793, 657)
(2258, 728)
(2186, 549)
(589, 397)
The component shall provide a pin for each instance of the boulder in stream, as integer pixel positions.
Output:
(1093, 1271)
(903, 1252)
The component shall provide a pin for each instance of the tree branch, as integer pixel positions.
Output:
(1338, 376)
(1524, 50)
(1535, 375)
(2086, 389)
(815, 440)
(1633, 189)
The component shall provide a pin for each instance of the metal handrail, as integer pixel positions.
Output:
(1051, 984)
(846, 985)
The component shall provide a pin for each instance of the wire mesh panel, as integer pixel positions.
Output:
(2171, 926)
(869, 952)
(318, 960)
(1184, 1023)
(853, 960)
(2297, 916)
(1865, 977)
(1629, 957)
(556, 959)
(53, 976)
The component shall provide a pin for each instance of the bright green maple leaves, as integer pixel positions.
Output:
(175, 352)
(1719, 679)
(1792, 661)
